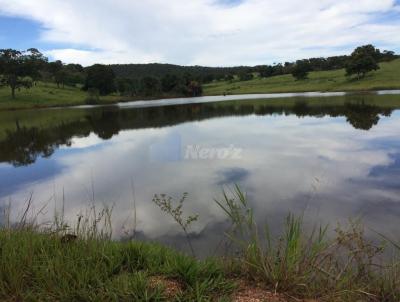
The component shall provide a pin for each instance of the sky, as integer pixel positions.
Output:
(197, 32)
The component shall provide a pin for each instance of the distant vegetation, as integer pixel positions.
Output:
(25, 70)
(207, 75)
(386, 77)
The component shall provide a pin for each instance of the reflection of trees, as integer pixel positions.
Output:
(364, 116)
(106, 125)
(24, 145)
(360, 115)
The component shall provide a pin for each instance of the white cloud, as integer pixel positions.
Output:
(204, 32)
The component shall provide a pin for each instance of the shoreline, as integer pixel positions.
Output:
(49, 264)
(141, 102)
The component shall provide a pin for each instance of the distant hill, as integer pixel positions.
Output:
(210, 74)
(387, 77)
(160, 70)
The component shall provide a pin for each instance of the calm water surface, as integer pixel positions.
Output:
(329, 158)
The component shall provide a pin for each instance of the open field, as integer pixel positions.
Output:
(47, 95)
(388, 77)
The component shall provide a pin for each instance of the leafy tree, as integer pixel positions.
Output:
(229, 77)
(60, 77)
(388, 56)
(169, 82)
(363, 60)
(70, 74)
(54, 67)
(101, 77)
(122, 85)
(56, 70)
(74, 74)
(279, 69)
(209, 78)
(16, 66)
(301, 70)
(74, 68)
(127, 86)
(34, 63)
(246, 76)
(266, 71)
(150, 86)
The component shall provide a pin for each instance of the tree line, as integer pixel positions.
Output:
(362, 60)
(359, 62)
(24, 68)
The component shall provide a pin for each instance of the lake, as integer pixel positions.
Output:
(327, 158)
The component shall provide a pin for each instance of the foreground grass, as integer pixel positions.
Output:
(43, 267)
(388, 77)
(60, 263)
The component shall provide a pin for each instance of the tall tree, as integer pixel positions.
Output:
(101, 77)
(16, 66)
(34, 63)
(56, 70)
(150, 86)
(169, 82)
(363, 60)
(301, 69)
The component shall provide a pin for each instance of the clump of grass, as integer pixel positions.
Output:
(39, 267)
(345, 268)
(36, 264)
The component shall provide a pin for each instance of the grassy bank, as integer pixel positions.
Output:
(49, 95)
(388, 77)
(58, 263)
(45, 95)
(43, 267)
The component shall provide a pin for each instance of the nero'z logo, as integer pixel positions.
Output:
(196, 152)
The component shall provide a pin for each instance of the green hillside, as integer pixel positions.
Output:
(388, 77)
(47, 95)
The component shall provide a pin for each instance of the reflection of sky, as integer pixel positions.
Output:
(322, 166)
(13, 179)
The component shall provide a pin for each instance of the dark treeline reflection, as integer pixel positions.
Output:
(22, 145)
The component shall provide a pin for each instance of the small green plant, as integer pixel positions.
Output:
(166, 204)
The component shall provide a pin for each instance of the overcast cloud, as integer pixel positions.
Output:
(208, 32)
